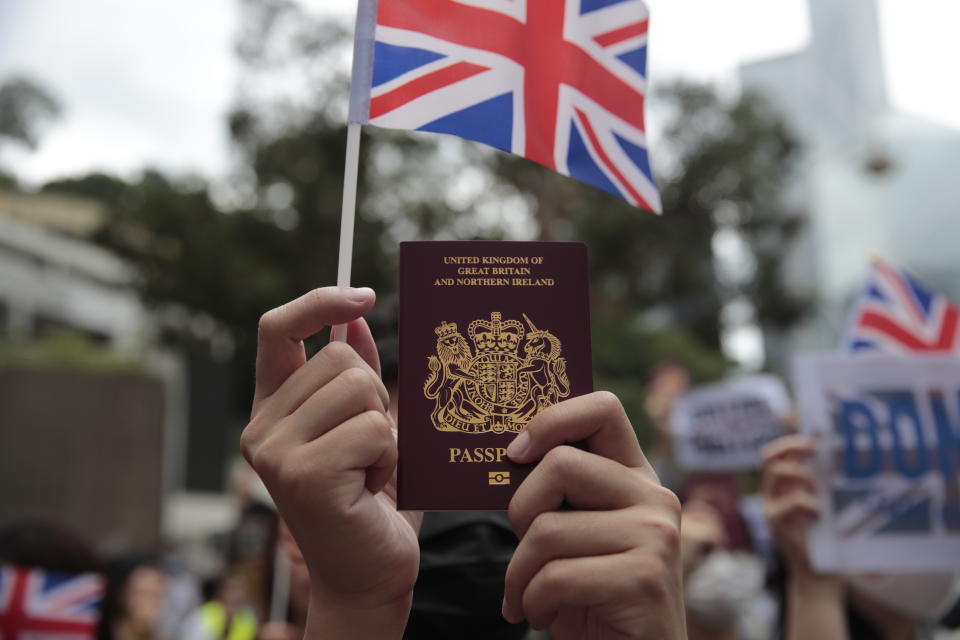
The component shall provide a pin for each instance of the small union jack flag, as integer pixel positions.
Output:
(42, 605)
(896, 313)
(560, 82)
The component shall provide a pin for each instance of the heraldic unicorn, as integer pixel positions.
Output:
(509, 376)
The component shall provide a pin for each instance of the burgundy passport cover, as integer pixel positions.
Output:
(491, 333)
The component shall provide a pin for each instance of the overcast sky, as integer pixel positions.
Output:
(148, 82)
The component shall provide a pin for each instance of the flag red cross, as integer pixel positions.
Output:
(16, 619)
(885, 324)
(538, 45)
(942, 342)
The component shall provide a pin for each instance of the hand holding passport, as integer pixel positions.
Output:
(322, 440)
(491, 334)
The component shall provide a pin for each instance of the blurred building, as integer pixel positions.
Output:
(873, 181)
(53, 279)
(101, 450)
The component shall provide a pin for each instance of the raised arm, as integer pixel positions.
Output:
(599, 552)
(322, 440)
(815, 602)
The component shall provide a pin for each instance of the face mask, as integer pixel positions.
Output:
(922, 596)
(722, 587)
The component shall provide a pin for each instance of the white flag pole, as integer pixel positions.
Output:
(280, 597)
(359, 112)
(348, 216)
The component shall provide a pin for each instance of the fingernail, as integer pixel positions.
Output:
(519, 446)
(361, 294)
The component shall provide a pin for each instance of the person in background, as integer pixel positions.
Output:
(183, 591)
(850, 607)
(666, 383)
(723, 578)
(721, 492)
(607, 566)
(49, 545)
(237, 601)
(250, 553)
(134, 601)
(228, 615)
(293, 627)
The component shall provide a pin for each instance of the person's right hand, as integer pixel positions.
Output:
(789, 497)
(321, 438)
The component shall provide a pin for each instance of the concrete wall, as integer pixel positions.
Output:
(85, 448)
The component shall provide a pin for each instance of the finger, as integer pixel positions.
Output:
(582, 480)
(322, 368)
(352, 392)
(598, 418)
(592, 582)
(365, 444)
(566, 534)
(794, 446)
(319, 371)
(781, 476)
(360, 338)
(282, 330)
(792, 506)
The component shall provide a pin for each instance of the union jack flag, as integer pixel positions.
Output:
(560, 82)
(896, 313)
(42, 605)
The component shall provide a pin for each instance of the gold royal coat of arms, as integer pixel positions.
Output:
(509, 375)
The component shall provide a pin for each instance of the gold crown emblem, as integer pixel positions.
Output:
(445, 330)
(495, 387)
(496, 335)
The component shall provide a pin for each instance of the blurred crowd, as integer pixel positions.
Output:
(746, 572)
(145, 594)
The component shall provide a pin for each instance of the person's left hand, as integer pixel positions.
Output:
(322, 440)
(609, 566)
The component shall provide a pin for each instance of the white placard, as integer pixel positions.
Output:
(723, 426)
(888, 429)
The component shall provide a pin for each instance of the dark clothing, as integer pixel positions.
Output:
(463, 561)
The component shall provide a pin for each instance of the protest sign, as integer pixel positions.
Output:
(888, 429)
(723, 426)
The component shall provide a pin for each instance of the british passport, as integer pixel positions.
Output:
(491, 334)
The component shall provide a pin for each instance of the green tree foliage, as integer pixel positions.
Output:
(731, 163)
(225, 254)
(626, 351)
(230, 252)
(63, 351)
(24, 106)
(230, 267)
(658, 288)
(726, 163)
